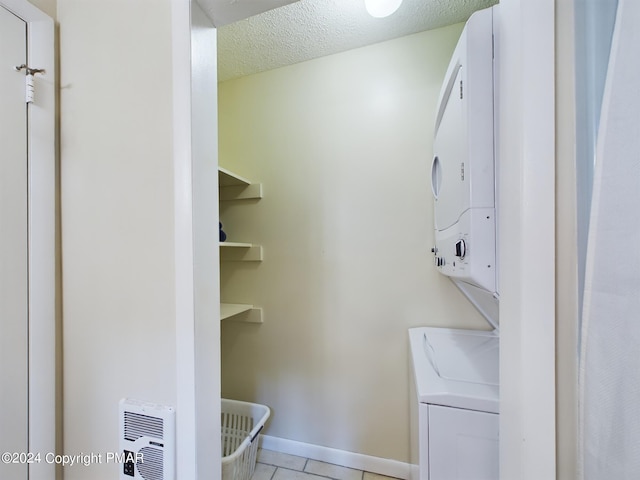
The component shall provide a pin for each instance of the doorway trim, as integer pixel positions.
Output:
(527, 158)
(41, 144)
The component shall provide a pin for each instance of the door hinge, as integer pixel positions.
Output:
(461, 95)
(29, 81)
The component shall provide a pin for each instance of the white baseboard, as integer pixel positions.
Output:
(359, 461)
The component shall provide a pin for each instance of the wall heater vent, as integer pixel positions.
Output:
(136, 426)
(147, 441)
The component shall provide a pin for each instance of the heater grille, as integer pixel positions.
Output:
(150, 466)
(137, 425)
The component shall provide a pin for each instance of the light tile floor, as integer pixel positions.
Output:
(281, 466)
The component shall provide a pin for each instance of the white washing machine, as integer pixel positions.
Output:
(454, 404)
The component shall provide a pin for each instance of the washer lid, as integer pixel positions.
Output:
(457, 368)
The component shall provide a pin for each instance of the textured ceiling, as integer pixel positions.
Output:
(310, 29)
(222, 12)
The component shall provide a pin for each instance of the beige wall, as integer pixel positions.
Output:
(342, 146)
(117, 217)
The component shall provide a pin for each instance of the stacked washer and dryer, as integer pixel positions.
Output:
(455, 394)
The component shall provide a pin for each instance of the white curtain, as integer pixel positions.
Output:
(610, 356)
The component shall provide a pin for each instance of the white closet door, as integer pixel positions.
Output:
(13, 246)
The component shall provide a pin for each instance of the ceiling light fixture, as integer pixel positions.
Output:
(381, 8)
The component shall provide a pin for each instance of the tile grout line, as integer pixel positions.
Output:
(306, 465)
(305, 472)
